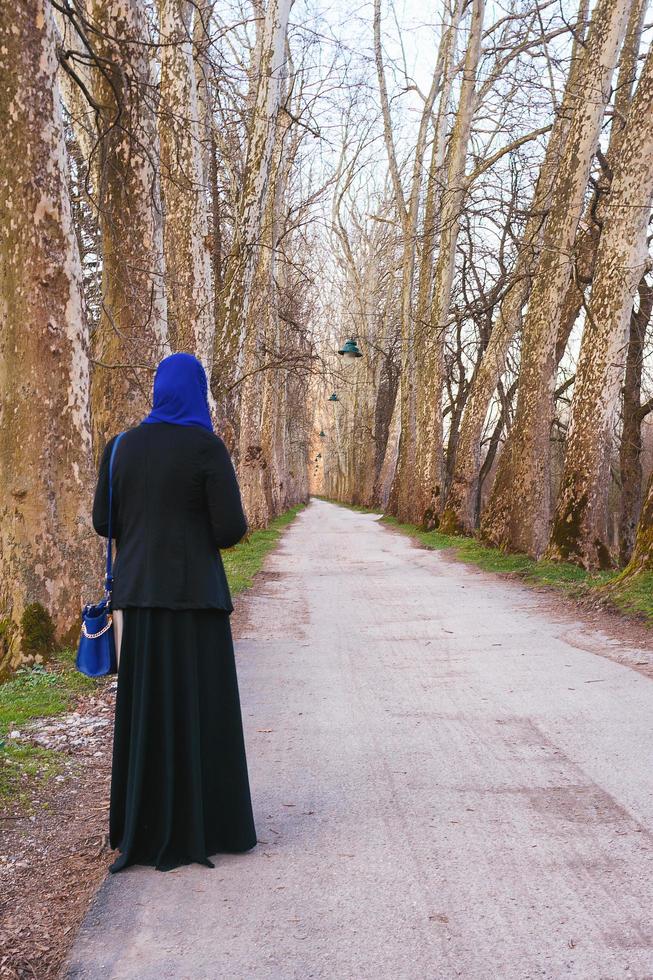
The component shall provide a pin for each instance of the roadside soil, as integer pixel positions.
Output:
(53, 843)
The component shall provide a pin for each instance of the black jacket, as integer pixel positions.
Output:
(175, 502)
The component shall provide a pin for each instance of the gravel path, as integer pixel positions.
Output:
(448, 782)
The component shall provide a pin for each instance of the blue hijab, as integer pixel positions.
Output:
(180, 393)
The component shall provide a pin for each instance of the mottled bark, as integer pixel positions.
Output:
(47, 546)
(642, 557)
(132, 335)
(402, 501)
(191, 319)
(589, 232)
(262, 389)
(427, 486)
(580, 526)
(389, 463)
(461, 513)
(630, 447)
(240, 267)
(386, 425)
(518, 513)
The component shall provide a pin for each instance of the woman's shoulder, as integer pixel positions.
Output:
(204, 442)
(201, 439)
(212, 446)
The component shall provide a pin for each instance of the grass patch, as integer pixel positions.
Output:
(38, 692)
(21, 766)
(244, 560)
(633, 595)
(35, 692)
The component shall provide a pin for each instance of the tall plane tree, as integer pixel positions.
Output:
(191, 319)
(581, 521)
(132, 334)
(518, 514)
(463, 500)
(46, 542)
(240, 265)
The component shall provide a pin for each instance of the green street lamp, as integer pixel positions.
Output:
(333, 398)
(350, 350)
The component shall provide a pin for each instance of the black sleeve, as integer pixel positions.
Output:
(101, 499)
(223, 497)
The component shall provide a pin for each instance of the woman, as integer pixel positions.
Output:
(179, 784)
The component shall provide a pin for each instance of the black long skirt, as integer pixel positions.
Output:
(179, 784)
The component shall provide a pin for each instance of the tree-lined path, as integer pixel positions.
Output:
(447, 783)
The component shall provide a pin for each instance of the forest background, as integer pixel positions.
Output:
(464, 188)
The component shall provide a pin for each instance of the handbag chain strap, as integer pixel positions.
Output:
(108, 582)
(94, 636)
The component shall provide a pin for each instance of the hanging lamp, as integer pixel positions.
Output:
(350, 350)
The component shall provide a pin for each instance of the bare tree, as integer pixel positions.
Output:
(428, 489)
(132, 335)
(518, 514)
(270, 54)
(46, 542)
(462, 505)
(580, 526)
(402, 501)
(634, 413)
(191, 318)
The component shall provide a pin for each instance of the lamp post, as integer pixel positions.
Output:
(350, 350)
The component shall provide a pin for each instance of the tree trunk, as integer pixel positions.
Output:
(386, 473)
(580, 527)
(461, 513)
(587, 239)
(258, 466)
(48, 552)
(132, 335)
(427, 483)
(630, 448)
(186, 232)
(242, 260)
(642, 557)
(402, 502)
(518, 514)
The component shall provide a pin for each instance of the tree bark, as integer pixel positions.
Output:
(242, 260)
(191, 320)
(642, 557)
(427, 484)
(402, 502)
(47, 545)
(518, 514)
(132, 335)
(580, 526)
(460, 514)
(630, 447)
(587, 238)
(260, 390)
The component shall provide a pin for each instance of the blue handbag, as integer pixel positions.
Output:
(96, 654)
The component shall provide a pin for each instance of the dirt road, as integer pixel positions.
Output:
(448, 782)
